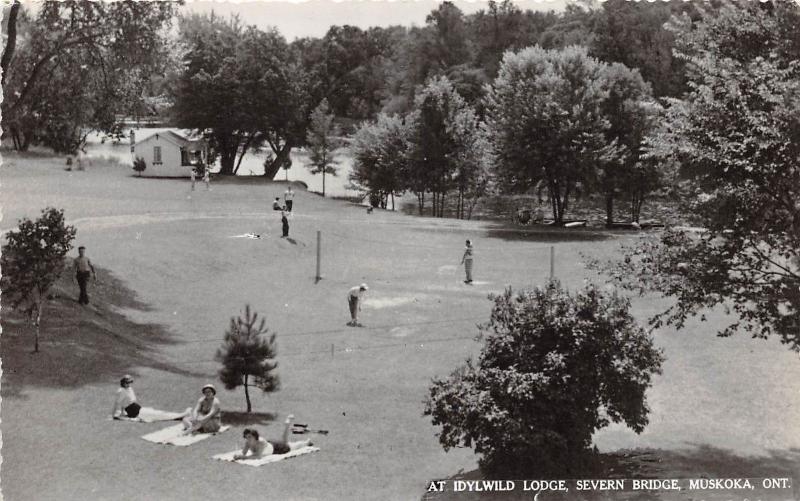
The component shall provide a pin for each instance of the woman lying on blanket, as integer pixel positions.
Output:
(125, 405)
(206, 417)
(256, 447)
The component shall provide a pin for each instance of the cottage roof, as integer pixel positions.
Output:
(179, 137)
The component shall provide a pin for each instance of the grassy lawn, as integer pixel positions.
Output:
(174, 270)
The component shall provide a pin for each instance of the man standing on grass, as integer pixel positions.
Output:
(284, 224)
(194, 177)
(354, 301)
(83, 269)
(288, 197)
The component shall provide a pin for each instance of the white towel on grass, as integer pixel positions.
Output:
(150, 415)
(174, 435)
(272, 458)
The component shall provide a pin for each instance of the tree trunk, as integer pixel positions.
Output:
(392, 194)
(244, 150)
(227, 158)
(555, 200)
(247, 395)
(15, 137)
(11, 43)
(609, 209)
(36, 325)
(323, 182)
(637, 200)
(281, 156)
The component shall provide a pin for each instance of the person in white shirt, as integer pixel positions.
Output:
(193, 176)
(288, 197)
(125, 405)
(83, 270)
(207, 179)
(354, 301)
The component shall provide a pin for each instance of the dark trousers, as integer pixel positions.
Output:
(289, 205)
(352, 302)
(285, 229)
(83, 280)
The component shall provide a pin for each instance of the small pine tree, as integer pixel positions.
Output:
(32, 260)
(139, 165)
(322, 143)
(247, 358)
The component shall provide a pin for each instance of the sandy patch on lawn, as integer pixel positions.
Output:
(402, 331)
(390, 302)
(448, 269)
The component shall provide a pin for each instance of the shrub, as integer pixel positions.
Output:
(554, 369)
(139, 165)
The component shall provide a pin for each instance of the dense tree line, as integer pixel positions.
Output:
(736, 138)
(475, 94)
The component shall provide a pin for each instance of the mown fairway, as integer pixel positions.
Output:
(738, 396)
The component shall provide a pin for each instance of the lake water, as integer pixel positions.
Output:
(252, 163)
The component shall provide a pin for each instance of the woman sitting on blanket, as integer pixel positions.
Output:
(125, 405)
(256, 447)
(206, 417)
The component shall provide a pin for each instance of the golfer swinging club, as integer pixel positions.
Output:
(354, 301)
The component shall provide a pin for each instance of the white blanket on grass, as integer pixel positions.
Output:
(272, 458)
(150, 415)
(174, 435)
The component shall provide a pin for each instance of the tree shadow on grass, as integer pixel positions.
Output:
(80, 345)
(248, 419)
(701, 461)
(542, 233)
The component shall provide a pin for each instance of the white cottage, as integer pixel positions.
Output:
(168, 153)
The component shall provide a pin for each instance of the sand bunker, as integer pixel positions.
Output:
(389, 302)
(402, 331)
(448, 269)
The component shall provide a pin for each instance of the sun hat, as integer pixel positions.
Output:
(363, 287)
(211, 387)
(127, 378)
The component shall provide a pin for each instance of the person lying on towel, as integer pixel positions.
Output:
(206, 417)
(125, 405)
(256, 447)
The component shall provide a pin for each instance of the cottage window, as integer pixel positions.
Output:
(156, 155)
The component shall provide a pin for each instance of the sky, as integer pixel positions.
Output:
(313, 17)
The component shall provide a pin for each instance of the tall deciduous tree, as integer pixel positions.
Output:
(241, 89)
(631, 113)
(736, 136)
(545, 118)
(248, 356)
(380, 156)
(75, 65)
(32, 260)
(322, 140)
